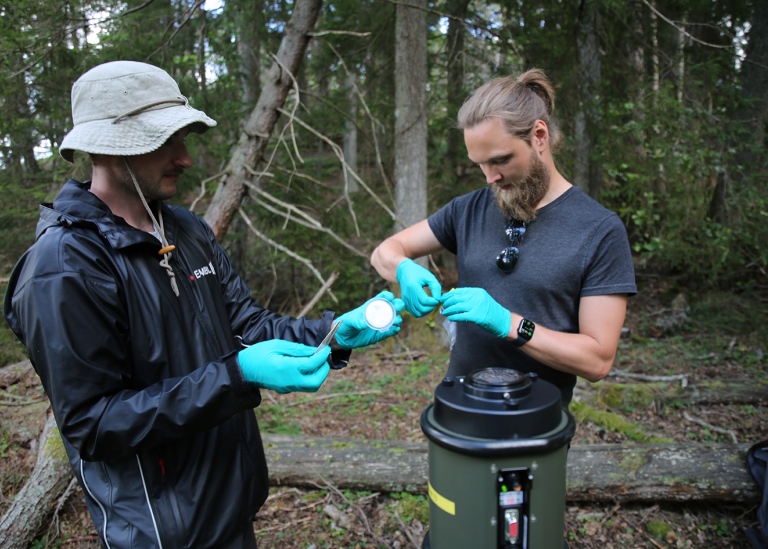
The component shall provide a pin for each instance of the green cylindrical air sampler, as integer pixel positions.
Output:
(498, 441)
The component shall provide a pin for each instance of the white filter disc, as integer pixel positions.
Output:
(380, 314)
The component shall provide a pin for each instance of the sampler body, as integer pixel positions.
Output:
(498, 443)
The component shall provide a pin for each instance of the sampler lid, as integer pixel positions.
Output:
(498, 403)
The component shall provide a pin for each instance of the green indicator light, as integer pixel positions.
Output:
(503, 487)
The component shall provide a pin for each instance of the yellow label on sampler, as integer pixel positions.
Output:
(443, 503)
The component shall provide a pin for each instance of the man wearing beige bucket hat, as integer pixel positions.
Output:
(146, 340)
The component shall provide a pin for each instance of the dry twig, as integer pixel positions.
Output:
(330, 396)
(644, 377)
(407, 531)
(712, 427)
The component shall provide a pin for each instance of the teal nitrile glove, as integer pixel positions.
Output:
(285, 366)
(475, 305)
(354, 331)
(412, 278)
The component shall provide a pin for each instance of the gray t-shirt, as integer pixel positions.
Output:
(574, 248)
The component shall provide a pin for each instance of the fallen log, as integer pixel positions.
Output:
(596, 473)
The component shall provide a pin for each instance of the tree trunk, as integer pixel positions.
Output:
(258, 128)
(350, 134)
(588, 172)
(455, 93)
(410, 114)
(34, 503)
(248, 18)
(597, 472)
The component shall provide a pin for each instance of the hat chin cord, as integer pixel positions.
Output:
(166, 250)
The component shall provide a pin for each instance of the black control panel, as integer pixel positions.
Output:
(513, 487)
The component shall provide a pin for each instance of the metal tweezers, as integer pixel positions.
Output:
(327, 339)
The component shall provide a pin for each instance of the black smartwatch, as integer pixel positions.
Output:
(524, 332)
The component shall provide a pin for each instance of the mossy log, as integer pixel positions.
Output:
(597, 473)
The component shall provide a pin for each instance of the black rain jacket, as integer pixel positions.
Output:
(156, 418)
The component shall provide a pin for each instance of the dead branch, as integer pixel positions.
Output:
(407, 531)
(339, 153)
(285, 250)
(363, 518)
(203, 183)
(337, 32)
(54, 525)
(316, 399)
(315, 298)
(643, 377)
(711, 427)
(177, 25)
(306, 220)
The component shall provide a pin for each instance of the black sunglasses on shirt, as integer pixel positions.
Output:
(507, 259)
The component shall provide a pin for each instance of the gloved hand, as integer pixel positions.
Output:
(412, 278)
(354, 333)
(285, 366)
(475, 305)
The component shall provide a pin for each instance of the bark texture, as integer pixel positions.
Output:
(410, 114)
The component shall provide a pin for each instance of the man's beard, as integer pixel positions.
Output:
(151, 191)
(519, 199)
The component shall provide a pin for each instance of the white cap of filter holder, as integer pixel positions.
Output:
(380, 314)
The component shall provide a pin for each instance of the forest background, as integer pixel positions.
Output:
(663, 104)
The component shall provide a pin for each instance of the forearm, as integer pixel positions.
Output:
(579, 354)
(591, 352)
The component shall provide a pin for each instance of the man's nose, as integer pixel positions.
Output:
(183, 158)
(491, 175)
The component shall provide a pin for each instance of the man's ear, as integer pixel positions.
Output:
(540, 136)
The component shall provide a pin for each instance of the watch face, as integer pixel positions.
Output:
(526, 329)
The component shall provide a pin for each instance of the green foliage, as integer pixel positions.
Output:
(410, 507)
(663, 195)
(662, 150)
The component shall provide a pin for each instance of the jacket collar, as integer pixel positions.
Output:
(75, 205)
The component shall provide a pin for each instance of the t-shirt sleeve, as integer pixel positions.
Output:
(442, 223)
(610, 269)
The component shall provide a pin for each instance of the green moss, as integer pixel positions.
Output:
(658, 529)
(627, 396)
(340, 444)
(613, 422)
(54, 447)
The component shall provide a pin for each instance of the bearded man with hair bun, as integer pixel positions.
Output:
(544, 270)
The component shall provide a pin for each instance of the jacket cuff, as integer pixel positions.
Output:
(245, 391)
(339, 357)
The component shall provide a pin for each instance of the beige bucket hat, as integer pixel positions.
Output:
(127, 108)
